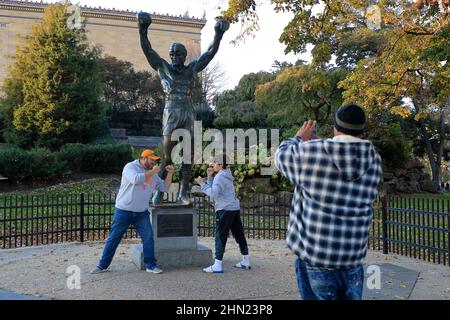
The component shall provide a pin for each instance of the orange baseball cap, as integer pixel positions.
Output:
(149, 154)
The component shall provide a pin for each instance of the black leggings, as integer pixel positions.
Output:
(226, 221)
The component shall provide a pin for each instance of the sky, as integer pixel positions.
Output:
(253, 55)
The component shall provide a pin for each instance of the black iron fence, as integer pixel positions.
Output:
(418, 228)
(413, 227)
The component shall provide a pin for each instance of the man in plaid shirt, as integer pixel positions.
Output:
(336, 182)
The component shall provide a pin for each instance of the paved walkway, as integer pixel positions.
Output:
(41, 272)
(6, 295)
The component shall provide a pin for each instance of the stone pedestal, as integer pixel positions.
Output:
(175, 229)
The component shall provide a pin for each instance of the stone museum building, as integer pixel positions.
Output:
(115, 31)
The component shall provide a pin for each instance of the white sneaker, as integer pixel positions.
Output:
(154, 270)
(211, 269)
(240, 265)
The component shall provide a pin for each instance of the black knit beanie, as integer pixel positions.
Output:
(350, 119)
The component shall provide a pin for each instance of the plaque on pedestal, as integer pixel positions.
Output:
(175, 235)
(174, 227)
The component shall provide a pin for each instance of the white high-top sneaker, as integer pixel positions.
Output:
(244, 264)
(215, 268)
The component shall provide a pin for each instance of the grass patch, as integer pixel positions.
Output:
(99, 185)
(444, 196)
(94, 185)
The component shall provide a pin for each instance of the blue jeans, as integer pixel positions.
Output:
(122, 220)
(316, 283)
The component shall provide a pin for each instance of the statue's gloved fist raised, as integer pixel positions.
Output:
(221, 26)
(144, 20)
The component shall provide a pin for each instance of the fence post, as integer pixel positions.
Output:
(384, 224)
(448, 230)
(82, 217)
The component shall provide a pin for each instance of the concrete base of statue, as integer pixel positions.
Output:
(175, 230)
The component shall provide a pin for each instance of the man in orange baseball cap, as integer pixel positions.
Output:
(148, 158)
(139, 179)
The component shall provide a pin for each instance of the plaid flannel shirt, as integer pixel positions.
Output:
(336, 184)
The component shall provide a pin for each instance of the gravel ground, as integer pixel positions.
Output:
(41, 271)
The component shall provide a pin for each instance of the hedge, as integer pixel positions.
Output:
(104, 158)
(20, 165)
(41, 164)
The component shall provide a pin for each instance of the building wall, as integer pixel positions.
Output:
(116, 32)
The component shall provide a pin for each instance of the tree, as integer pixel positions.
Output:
(132, 97)
(53, 91)
(213, 81)
(245, 90)
(209, 82)
(300, 92)
(408, 77)
(236, 108)
(205, 114)
(402, 65)
(323, 23)
(129, 90)
(279, 66)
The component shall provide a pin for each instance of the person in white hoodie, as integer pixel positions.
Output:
(227, 207)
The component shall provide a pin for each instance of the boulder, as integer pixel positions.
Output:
(414, 176)
(429, 186)
(259, 185)
(424, 177)
(400, 172)
(409, 186)
(388, 187)
(414, 164)
(256, 200)
(388, 176)
(284, 198)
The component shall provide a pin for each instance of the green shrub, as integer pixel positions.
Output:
(20, 165)
(390, 141)
(107, 158)
(243, 172)
(41, 164)
(45, 164)
(15, 164)
(72, 155)
(103, 135)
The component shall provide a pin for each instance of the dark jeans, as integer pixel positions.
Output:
(122, 220)
(317, 283)
(226, 221)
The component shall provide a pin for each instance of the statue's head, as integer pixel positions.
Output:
(177, 53)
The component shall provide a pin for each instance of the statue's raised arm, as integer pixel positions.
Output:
(144, 22)
(202, 62)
